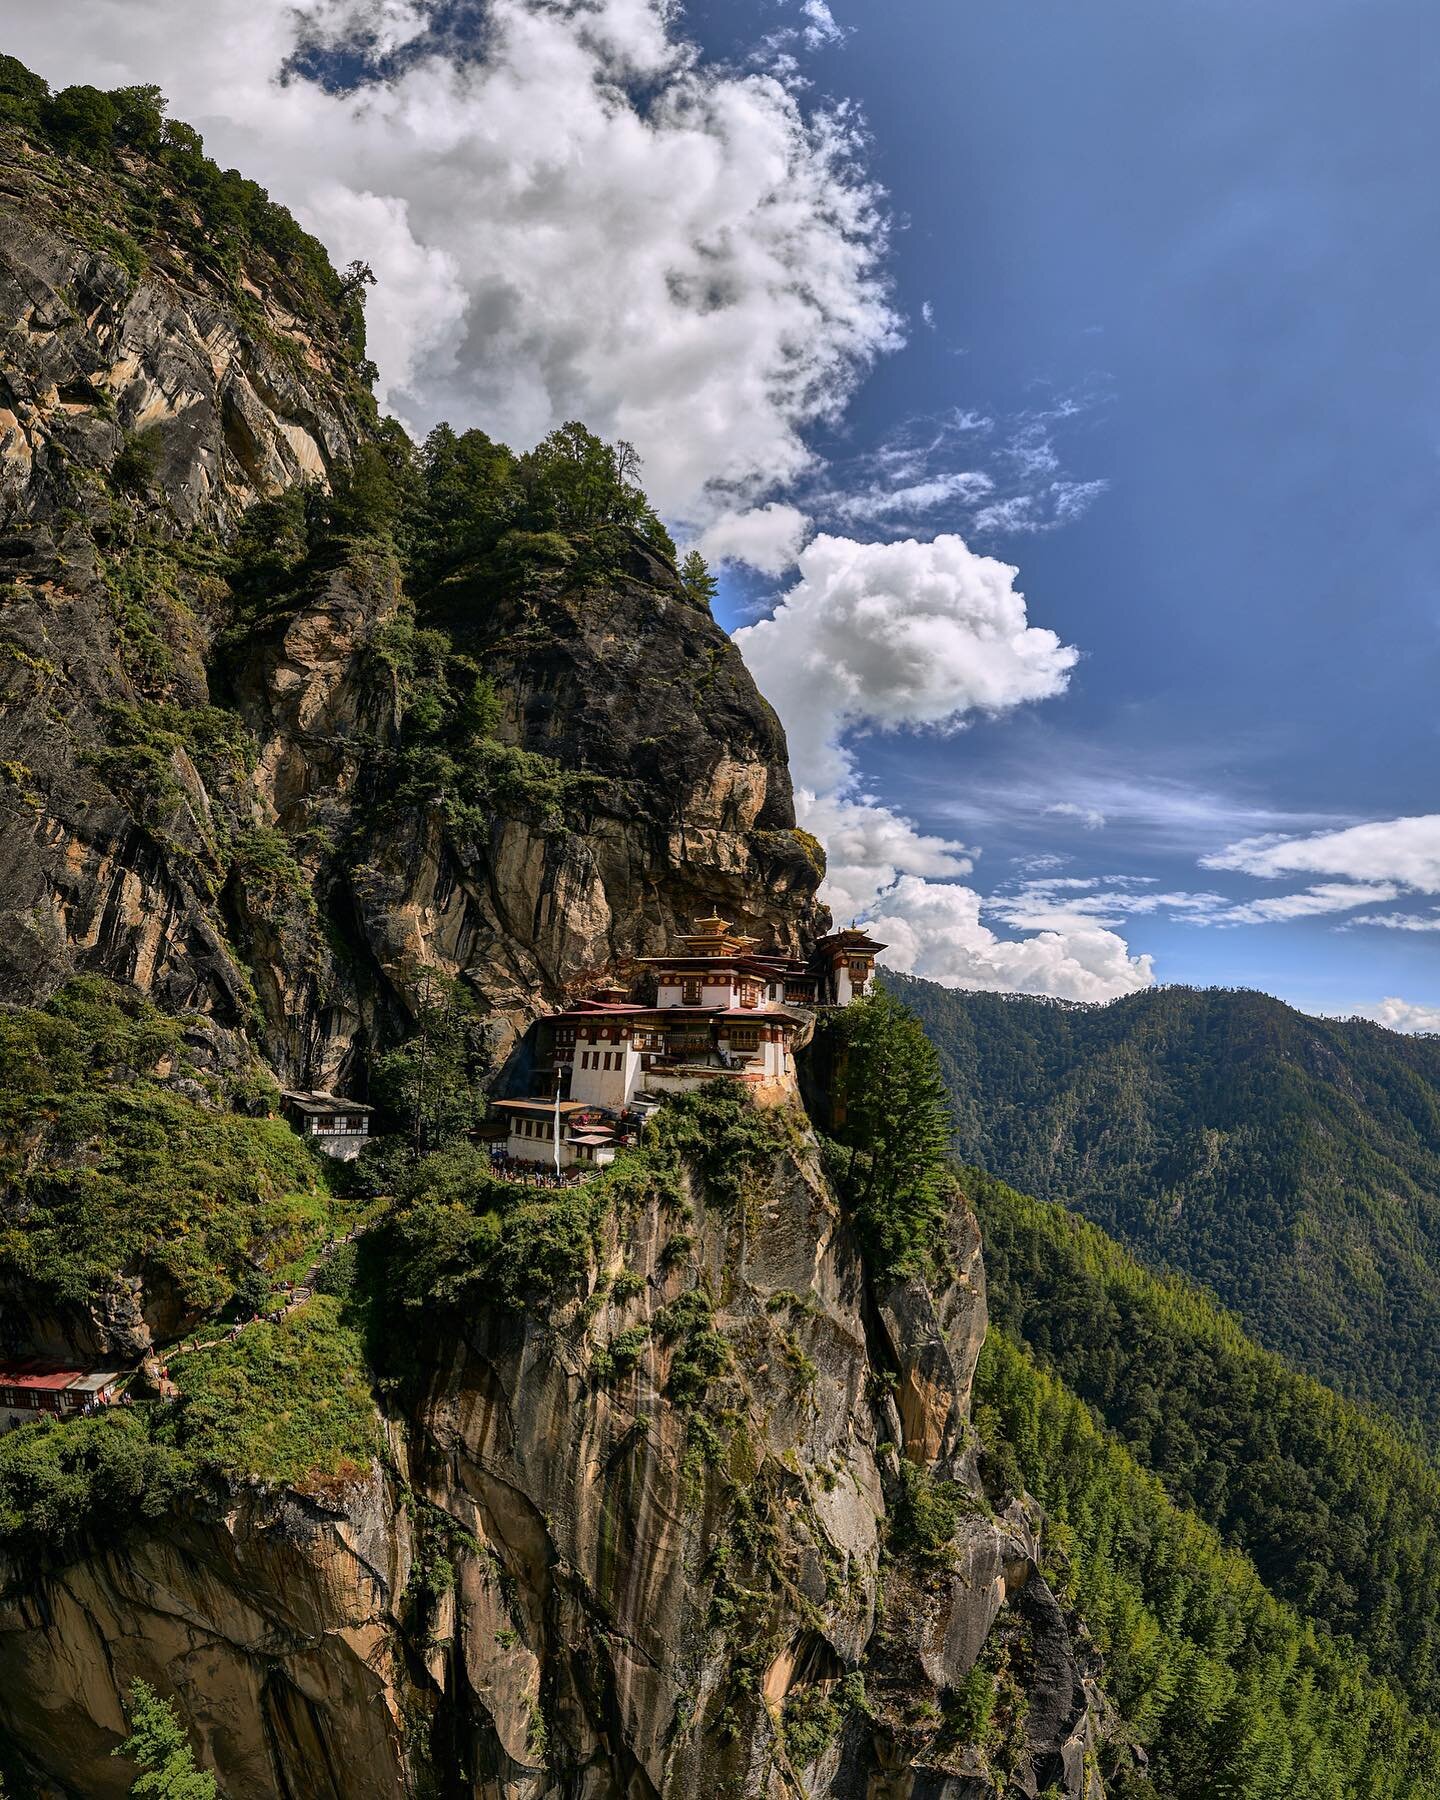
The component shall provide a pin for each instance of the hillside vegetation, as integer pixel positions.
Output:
(1226, 1689)
(1339, 1514)
(1290, 1164)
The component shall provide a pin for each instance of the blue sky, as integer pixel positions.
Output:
(1213, 226)
(1136, 299)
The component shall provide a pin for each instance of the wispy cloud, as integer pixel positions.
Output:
(990, 477)
(1400, 850)
(1401, 921)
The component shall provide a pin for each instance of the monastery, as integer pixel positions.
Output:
(723, 1009)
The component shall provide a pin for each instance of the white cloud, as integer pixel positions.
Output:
(1090, 817)
(896, 635)
(927, 314)
(821, 28)
(1404, 1015)
(768, 537)
(868, 847)
(1314, 902)
(1406, 851)
(589, 222)
(1401, 921)
(918, 636)
(935, 930)
(962, 486)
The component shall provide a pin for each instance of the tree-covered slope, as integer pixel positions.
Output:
(1289, 1163)
(1339, 1514)
(1226, 1690)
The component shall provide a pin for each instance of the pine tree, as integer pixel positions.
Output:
(695, 578)
(158, 1744)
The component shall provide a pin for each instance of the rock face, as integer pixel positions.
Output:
(652, 1593)
(120, 839)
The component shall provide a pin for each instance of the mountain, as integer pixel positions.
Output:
(1288, 1163)
(333, 761)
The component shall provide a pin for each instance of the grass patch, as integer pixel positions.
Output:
(284, 1404)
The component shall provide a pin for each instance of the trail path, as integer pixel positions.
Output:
(297, 1296)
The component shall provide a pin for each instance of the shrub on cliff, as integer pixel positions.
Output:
(118, 1153)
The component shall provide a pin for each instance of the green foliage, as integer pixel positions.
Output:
(95, 1475)
(700, 1354)
(811, 1721)
(1289, 1163)
(287, 1404)
(926, 1514)
(1229, 1690)
(157, 1742)
(888, 1111)
(451, 760)
(567, 508)
(139, 762)
(1339, 1514)
(730, 1140)
(22, 94)
(458, 1235)
(134, 468)
(108, 1167)
(697, 583)
(173, 190)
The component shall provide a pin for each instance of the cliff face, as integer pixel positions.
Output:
(652, 1587)
(140, 416)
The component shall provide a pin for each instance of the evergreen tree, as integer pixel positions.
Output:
(699, 584)
(890, 1112)
(157, 1743)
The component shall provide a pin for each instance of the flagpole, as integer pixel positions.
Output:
(557, 1121)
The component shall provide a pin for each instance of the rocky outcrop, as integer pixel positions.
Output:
(656, 1589)
(272, 1623)
(140, 418)
(646, 1540)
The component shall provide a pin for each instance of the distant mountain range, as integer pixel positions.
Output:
(1288, 1163)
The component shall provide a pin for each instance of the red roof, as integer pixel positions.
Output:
(39, 1376)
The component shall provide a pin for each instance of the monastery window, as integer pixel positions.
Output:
(691, 991)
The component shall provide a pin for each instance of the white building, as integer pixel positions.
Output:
(341, 1128)
(723, 1010)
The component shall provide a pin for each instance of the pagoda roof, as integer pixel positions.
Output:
(852, 938)
(323, 1103)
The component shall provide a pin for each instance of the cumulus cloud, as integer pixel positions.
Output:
(586, 221)
(934, 929)
(1404, 1015)
(868, 846)
(918, 636)
(767, 537)
(898, 635)
(1406, 851)
(1401, 921)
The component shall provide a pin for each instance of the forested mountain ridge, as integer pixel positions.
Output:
(1290, 1164)
(1339, 1514)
